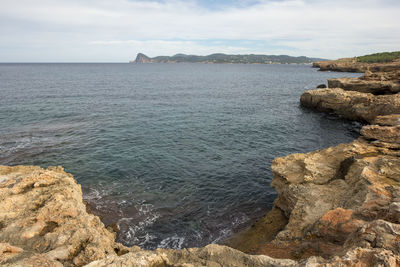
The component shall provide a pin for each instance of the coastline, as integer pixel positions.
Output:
(335, 206)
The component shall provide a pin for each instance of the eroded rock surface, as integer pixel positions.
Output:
(351, 65)
(211, 255)
(379, 83)
(351, 105)
(342, 201)
(43, 220)
(376, 93)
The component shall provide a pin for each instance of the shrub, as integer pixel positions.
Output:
(379, 57)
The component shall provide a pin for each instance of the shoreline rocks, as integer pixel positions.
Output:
(352, 65)
(352, 105)
(341, 203)
(43, 220)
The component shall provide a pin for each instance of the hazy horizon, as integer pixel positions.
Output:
(115, 31)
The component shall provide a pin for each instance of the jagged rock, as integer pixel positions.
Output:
(263, 230)
(321, 86)
(390, 134)
(310, 185)
(211, 255)
(351, 104)
(142, 58)
(42, 214)
(377, 83)
(351, 65)
(387, 120)
(334, 200)
(365, 86)
(342, 65)
(357, 257)
(7, 252)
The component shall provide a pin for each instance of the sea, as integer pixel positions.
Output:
(169, 155)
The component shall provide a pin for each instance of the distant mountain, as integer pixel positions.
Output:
(224, 58)
(142, 58)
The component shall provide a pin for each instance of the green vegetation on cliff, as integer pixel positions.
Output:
(379, 57)
(224, 58)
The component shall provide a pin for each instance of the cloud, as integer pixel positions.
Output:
(89, 30)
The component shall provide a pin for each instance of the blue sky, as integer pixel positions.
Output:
(116, 30)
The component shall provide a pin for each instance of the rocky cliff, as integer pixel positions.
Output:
(142, 58)
(335, 207)
(43, 220)
(352, 65)
(363, 99)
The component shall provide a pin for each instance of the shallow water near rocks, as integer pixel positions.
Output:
(176, 155)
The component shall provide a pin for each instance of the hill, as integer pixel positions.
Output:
(227, 59)
(380, 57)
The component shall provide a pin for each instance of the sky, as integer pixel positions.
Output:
(116, 30)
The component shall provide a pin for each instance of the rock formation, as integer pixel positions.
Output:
(342, 203)
(375, 83)
(352, 65)
(43, 221)
(142, 58)
(342, 198)
(363, 99)
(351, 105)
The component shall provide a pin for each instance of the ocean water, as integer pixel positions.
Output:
(174, 155)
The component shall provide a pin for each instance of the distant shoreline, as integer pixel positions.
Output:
(225, 59)
(222, 63)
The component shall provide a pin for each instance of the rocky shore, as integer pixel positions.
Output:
(352, 65)
(335, 207)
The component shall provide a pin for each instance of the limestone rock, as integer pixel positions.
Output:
(390, 134)
(7, 252)
(377, 83)
(351, 65)
(211, 255)
(142, 58)
(42, 214)
(365, 86)
(351, 104)
(337, 200)
(387, 120)
(357, 257)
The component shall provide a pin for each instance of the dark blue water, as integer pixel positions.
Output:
(176, 155)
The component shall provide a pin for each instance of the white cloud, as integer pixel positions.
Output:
(90, 29)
